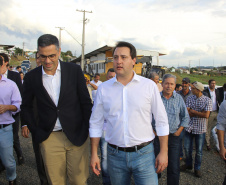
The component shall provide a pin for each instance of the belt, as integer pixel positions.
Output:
(4, 125)
(131, 149)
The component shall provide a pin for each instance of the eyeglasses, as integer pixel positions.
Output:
(51, 57)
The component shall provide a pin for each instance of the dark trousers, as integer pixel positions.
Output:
(173, 169)
(39, 163)
(16, 140)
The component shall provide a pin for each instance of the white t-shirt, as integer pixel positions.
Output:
(94, 92)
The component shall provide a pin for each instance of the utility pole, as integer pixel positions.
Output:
(23, 49)
(199, 64)
(60, 28)
(83, 37)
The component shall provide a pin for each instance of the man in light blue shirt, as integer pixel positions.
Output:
(178, 118)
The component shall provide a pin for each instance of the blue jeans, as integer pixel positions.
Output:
(188, 146)
(141, 164)
(6, 152)
(173, 169)
(103, 151)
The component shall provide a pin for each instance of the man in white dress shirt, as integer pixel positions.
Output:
(127, 102)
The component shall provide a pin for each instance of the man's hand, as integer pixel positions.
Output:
(161, 162)
(25, 132)
(95, 164)
(223, 153)
(177, 133)
(3, 108)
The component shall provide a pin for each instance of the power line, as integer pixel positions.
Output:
(73, 37)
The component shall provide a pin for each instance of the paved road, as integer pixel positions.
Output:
(212, 168)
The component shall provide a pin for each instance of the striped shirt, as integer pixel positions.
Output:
(197, 125)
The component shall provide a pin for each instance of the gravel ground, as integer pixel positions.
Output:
(213, 170)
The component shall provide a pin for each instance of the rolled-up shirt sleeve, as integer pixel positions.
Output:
(97, 116)
(160, 115)
(184, 116)
(16, 98)
(221, 118)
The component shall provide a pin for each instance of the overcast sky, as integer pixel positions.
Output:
(184, 30)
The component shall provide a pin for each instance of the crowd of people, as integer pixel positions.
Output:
(141, 126)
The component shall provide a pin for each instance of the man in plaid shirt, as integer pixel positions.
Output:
(199, 107)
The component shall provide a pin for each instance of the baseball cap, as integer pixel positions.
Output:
(198, 85)
(186, 80)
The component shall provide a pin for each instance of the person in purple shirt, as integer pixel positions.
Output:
(10, 101)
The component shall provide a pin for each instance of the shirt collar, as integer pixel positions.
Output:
(173, 96)
(6, 73)
(3, 78)
(135, 78)
(58, 69)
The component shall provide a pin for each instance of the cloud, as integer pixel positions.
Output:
(183, 29)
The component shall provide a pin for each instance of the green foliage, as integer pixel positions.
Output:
(18, 51)
(220, 80)
(64, 55)
(69, 53)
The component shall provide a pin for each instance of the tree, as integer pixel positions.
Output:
(18, 50)
(69, 53)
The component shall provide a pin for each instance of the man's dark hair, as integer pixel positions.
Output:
(18, 67)
(47, 40)
(178, 85)
(21, 72)
(36, 55)
(111, 70)
(97, 74)
(5, 56)
(1, 61)
(224, 86)
(133, 52)
(211, 80)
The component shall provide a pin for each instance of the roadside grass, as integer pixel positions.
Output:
(220, 80)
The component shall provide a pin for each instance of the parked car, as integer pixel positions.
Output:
(27, 65)
(27, 62)
(24, 69)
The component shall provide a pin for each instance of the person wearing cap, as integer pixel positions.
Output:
(185, 93)
(199, 107)
(213, 94)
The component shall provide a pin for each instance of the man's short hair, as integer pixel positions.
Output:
(1, 61)
(18, 67)
(211, 80)
(133, 52)
(178, 85)
(168, 76)
(97, 74)
(224, 86)
(36, 55)
(5, 56)
(21, 72)
(111, 70)
(152, 75)
(47, 40)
